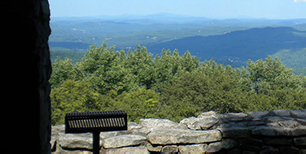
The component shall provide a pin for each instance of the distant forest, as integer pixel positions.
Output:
(169, 85)
(233, 48)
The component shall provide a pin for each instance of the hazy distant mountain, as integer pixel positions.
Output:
(205, 38)
(238, 46)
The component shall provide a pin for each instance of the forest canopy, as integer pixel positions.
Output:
(169, 85)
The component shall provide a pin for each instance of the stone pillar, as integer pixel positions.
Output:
(27, 70)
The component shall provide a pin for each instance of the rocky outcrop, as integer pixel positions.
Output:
(278, 131)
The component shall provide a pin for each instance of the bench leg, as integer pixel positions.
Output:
(96, 142)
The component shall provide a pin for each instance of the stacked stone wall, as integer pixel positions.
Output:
(26, 23)
(278, 131)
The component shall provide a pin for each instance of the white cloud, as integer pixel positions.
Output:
(296, 1)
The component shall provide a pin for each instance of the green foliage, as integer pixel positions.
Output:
(74, 56)
(141, 103)
(202, 90)
(72, 96)
(267, 74)
(293, 58)
(169, 85)
(62, 70)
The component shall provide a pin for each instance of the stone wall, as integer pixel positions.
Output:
(28, 69)
(278, 131)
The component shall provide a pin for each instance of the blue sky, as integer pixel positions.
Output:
(280, 9)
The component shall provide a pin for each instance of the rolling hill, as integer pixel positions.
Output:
(237, 47)
(127, 31)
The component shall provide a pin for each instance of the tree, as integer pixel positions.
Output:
(169, 86)
(169, 68)
(271, 78)
(140, 63)
(270, 73)
(116, 77)
(62, 70)
(72, 96)
(142, 103)
(98, 57)
(197, 92)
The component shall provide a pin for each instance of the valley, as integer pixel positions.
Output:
(228, 41)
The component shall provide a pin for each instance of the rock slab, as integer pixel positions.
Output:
(123, 141)
(182, 136)
(73, 141)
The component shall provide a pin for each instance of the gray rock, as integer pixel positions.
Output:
(209, 113)
(58, 129)
(251, 144)
(214, 147)
(145, 130)
(148, 125)
(271, 131)
(277, 141)
(198, 148)
(235, 132)
(300, 141)
(182, 136)
(228, 143)
(127, 150)
(76, 141)
(234, 151)
(288, 124)
(289, 150)
(233, 116)
(301, 121)
(73, 152)
(258, 115)
(272, 119)
(269, 150)
(152, 148)
(170, 149)
(298, 114)
(239, 124)
(123, 140)
(204, 122)
(133, 125)
(299, 131)
(104, 135)
(224, 144)
(282, 113)
(191, 123)
(161, 123)
(207, 122)
(256, 123)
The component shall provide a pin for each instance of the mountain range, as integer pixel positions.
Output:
(228, 41)
(127, 31)
(238, 46)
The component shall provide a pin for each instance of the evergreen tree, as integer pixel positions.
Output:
(72, 96)
(62, 70)
(169, 85)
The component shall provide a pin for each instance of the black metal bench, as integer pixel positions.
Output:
(95, 122)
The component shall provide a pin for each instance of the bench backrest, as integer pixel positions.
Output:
(95, 121)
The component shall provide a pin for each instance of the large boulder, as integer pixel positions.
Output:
(182, 136)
